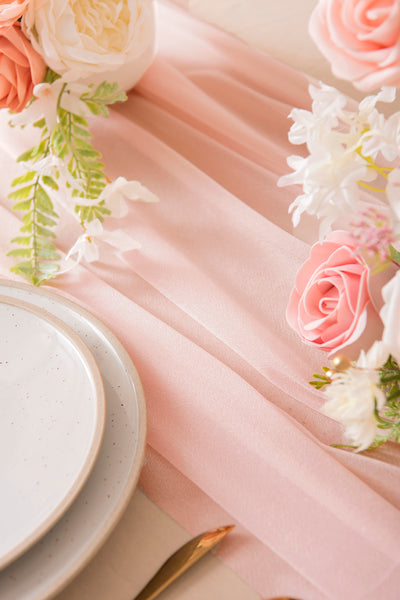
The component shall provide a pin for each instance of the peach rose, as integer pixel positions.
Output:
(360, 38)
(21, 68)
(328, 304)
(11, 11)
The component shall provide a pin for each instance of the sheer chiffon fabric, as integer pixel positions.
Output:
(235, 430)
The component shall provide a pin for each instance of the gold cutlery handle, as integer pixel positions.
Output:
(181, 560)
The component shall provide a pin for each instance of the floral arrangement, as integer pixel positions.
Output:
(346, 298)
(63, 62)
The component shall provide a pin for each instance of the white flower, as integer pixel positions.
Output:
(53, 166)
(49, 166)
(390, 315)
(81, 37)
(327, 110)
(332, 172)
(328, 104)
(116, 193)
(329, 176)
(367, 104)
(86, 246)
(352, 397)
(46, 101)
(375, 358)
(383, 136)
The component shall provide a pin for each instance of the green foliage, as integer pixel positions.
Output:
(394, 254)
(70, 140)
(321, 380)
(36, 246)
(388, 417)
(105, 94)
(51, 76)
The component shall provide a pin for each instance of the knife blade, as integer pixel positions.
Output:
(182, 560)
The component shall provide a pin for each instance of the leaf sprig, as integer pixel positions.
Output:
(319, 380)
(32, 198)
(70, 141)
(389, 417)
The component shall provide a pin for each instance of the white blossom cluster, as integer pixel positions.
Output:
(344, 147)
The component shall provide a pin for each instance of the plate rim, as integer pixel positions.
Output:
(109, 523)
(92, 452)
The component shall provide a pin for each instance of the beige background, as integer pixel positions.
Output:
(278, 27)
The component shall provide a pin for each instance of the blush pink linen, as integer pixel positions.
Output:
(328, 305)
(360, 38)
(235, 431)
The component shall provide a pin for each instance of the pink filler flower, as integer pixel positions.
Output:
(328, 305)
(21, 68)
(360, 39)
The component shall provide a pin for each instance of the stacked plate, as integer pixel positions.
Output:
(72, 438)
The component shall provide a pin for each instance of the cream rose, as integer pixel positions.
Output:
(93, 40)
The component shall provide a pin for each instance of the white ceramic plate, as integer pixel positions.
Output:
(51, 563)
(52, 415)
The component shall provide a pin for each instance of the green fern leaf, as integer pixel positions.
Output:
(43, 231)
(44, 202)
(33, 154)
(25, 178)
(23, 268)
(80, 132)
(47, 254)
(49, 181)
(45, 220)
(80, 121)
(22, 206)
(21, 193)
(20, 252)
(27, 228)
(22, 240)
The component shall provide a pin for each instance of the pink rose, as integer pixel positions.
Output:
(360, 38)
(328, 306)
(21, 68)
(11, 11)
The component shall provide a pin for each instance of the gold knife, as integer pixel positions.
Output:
(181, 560)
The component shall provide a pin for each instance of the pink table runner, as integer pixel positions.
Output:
(235, 432)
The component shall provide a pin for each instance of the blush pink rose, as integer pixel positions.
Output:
(360, 38)
(11, 11)
(328, 306)
(21, 68)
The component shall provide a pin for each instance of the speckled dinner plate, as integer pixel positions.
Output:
(52, 414)
(42, 571)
